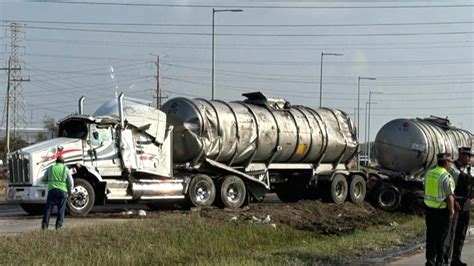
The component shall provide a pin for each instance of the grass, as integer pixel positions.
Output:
(191, 239)
(3, 184)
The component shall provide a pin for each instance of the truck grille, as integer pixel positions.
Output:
(18, 167)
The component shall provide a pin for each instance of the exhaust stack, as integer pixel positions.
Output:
(81, 105)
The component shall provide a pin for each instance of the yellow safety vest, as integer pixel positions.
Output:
(435, 196)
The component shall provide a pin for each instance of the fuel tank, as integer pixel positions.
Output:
(258, 129)
(411, 145)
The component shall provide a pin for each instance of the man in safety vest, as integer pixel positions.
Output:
(59, 184)
(463, 177)
(440, 211)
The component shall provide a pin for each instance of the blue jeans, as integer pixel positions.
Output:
(56, 197)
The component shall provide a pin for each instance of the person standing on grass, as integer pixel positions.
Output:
(463, 178)
(440, 211)
(60, 183)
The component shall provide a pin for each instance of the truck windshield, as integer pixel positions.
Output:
(73, 129)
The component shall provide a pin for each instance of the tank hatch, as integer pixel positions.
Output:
(258, 98)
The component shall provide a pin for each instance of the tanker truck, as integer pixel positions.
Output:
(197, 151)
(405, 149)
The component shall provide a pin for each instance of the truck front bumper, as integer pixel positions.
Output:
(26, 194)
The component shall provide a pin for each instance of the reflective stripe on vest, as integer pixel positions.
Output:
(435, 197)
(57, 177)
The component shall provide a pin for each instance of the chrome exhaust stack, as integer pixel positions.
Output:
(81, 105)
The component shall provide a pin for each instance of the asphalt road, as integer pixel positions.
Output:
(418, 257)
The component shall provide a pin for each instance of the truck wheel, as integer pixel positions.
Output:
(357, 189)
(232, 192)
(388, 198)
(81, 201)
(414, 202)
(339, 189)
(33, 209)
(201, 191)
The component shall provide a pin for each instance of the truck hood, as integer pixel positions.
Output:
(52, 145)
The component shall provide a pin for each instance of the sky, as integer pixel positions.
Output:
(420, 52)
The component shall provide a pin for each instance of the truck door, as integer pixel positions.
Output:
(103, 150)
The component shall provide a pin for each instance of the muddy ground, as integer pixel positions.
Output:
(312, 216)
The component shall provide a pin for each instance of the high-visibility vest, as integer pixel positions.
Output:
(57, 177)
(435, 196)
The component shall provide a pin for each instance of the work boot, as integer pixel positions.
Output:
(44, 226)
(458, 263)
(59, 226)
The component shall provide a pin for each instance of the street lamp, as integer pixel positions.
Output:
(358, 112)
(368, 123)
(214, 11)
(321, 78)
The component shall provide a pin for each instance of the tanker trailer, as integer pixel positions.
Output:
(297, 151)
(405, 150)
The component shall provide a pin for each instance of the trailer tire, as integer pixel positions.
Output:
(388, 198)
(82, 199)
(201, 191)
(338, 189)
(232, 192)
(33, 208)
(413, 202)
(357, 189)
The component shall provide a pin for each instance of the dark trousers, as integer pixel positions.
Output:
(438, 236)
(462, 225)
(56, 197)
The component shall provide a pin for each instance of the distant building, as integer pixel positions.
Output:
(29, 134)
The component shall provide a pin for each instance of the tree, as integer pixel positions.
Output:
(15, 144)
(51, 129)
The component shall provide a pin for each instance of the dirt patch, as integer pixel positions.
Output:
(315, 216)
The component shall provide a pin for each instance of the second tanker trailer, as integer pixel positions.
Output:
(405, 149)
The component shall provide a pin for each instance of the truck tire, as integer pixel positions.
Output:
(201, 191)
(232, 192)
(338, 189)
(414, 202)
(33, 208)
(388, 198)
(357, 189)
(82, 199)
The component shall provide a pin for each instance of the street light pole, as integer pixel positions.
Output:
(214, 11)
(321, 77)
(368, 122)
(358, 114)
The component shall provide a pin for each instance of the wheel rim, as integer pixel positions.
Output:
(388, 198)
(233, 193)
(358, 189)
(79, 197)
(202, 192)
(339, 190)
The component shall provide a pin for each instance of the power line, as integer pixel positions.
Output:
(253, 34)
(253, 6)
(240, 25)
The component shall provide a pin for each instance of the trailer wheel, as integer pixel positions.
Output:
(201, 191)
(388, 198)
(357, 189)
(232, 192)
(82, 199)
(339, 189)
(33, 209)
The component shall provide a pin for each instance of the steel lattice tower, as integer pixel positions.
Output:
(16, 50)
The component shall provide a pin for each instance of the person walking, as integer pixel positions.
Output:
(60, 183)
(440, 211)
(463, 178)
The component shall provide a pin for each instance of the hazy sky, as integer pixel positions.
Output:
(421, 56)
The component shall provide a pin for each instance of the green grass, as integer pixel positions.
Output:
(190, 239)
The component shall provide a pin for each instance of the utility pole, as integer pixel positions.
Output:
(158, 96)
(7, 129)
(158, 92)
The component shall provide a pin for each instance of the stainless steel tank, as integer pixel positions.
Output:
(258, 129)
(410, 145)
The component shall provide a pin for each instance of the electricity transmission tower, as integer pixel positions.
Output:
(15, 101)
